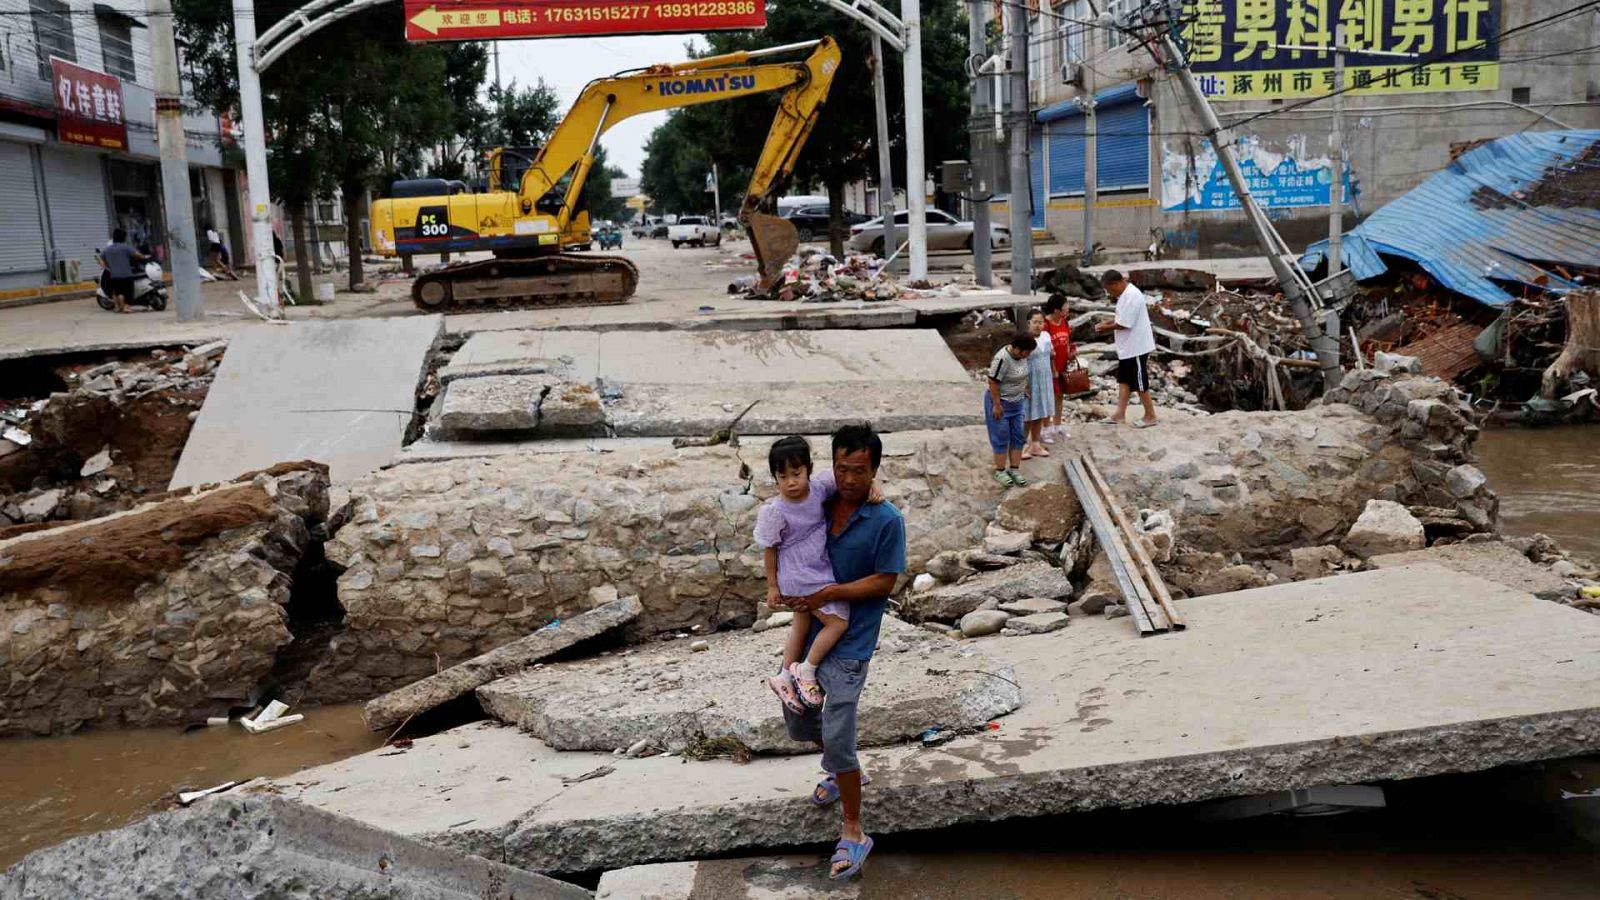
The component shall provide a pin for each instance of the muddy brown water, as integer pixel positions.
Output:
(1548, 480)
(55, 788)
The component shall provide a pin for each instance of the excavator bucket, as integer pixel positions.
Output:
(774, 241)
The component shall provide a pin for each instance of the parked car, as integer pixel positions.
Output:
(695, 230)
(945, 232)
(812, 221)
(643, 227)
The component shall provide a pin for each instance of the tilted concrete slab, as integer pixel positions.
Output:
(339, 392)
(755, 878)
(692, 383)
(256, 845)
(676, 698)
(1491, 560)
(643, 317)
(1388, 674)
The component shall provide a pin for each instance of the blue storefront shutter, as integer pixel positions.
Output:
(1122, 146)
(1036, 175)
(1066, 157)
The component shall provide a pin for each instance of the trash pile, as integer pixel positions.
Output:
(113, 435)
(814, 276)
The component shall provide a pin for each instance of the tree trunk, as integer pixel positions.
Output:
(1582, 349)
(353, 195)
(836, 216)
(302, 259)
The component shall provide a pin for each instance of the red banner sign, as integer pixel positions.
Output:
(88, 107)
(476, 20)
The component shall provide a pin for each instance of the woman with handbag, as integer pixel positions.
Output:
(1064, 357)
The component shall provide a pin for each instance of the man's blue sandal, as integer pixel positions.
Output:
(827, 790)
(849, 852)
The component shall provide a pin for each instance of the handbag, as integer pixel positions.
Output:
(1075, 380)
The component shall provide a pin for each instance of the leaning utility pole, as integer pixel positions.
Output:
(982, 181)
(1336, 160)
(1304, 297)
(1091, 169)
(891, 243)
(916, 165)
(1021, 191)
(175, 196)
(255, 157)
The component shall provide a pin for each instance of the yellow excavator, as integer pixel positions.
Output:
(526, 228)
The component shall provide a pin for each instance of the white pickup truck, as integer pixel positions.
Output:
(696, 230)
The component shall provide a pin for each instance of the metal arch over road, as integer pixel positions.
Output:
(903, 33)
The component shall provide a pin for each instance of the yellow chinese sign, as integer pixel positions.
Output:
(1261, 49)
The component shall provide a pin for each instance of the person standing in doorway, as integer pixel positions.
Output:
(1135, 342)
(119, 260)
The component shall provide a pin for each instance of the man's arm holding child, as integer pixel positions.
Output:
(889, 562)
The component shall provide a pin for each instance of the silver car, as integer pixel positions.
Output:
(945, 232)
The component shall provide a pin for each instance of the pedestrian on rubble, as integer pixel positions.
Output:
(1004, 408)
(792, 531)
(867, 548)
(1135, 341)
(119, 260)
(1041, 388)
(1062, 352)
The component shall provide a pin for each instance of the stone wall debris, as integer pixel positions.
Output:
(179, 609)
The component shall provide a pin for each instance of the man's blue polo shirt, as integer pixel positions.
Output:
(873, 542)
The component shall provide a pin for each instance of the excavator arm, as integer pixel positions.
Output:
(607, 101)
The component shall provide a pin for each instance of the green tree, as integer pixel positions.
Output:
(352, 106)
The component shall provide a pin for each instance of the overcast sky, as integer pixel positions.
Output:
(567, 64)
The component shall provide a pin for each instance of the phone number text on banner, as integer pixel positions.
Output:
(469, 20)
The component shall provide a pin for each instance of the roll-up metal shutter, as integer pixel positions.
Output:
(1122, 146)
(1066, 156)
(1036, 175)
(75, 192)
(23, 248)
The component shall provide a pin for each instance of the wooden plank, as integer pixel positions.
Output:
(1163, 597)
(1110, 543)
(1118, 551)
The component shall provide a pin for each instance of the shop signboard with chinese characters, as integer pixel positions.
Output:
(1234, 46)
(88, 107)
(478, 20)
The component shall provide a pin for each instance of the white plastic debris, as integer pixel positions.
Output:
(17, 436)
(923, 582)
(214, 721)
(187, 797)
(271, 718)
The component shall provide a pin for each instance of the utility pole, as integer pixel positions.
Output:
(255, 156)
(716, 195)
(1091, 168)
(1021, 193)
(891, 242)
(185, 262)
(1298, 290)
(982, 180)
(1336, 164)
(916, 167)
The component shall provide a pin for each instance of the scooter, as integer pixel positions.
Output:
(148, 289)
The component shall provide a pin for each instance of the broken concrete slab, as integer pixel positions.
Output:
(651, 410)
(1037, 623)
(338, 392)
(260, 846)
(1394, 690)
(1491, 561)
(1384, 527)
(570, 355)
(949, 602)
(752, 878)
(1029, 606)
(395, 707)
(676, 699)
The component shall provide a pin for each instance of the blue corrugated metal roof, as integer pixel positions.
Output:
(1126, 93)
(1486, 218)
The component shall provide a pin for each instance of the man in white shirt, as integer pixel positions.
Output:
(1135, 342)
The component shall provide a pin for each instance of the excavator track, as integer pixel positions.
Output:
(539, 282)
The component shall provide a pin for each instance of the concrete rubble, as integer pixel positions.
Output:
(678, 700)
(1395, 690)
(259, 847)
(395, 707)
(178, 611)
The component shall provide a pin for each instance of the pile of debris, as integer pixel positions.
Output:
(814, 276)
(112, 436)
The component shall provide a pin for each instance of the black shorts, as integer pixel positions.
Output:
(119, 287)
(1134, 372)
